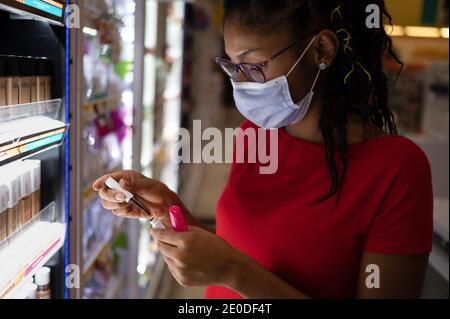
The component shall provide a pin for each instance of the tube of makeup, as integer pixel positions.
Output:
(130, 198)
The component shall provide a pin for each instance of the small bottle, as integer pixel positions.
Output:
(42, 280)
(31, 290)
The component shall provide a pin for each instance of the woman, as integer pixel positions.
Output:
(348, 214)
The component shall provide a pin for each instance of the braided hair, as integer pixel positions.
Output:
(357, 82)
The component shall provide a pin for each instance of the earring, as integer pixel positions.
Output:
(322, 66)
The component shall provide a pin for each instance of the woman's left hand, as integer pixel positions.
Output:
(197, 257)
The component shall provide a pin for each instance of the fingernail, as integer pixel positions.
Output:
(120, 197)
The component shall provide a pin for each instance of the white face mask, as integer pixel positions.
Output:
(269, 105)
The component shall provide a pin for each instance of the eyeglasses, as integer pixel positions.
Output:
(253, 71)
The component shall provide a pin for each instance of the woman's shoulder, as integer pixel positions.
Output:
(399, 151)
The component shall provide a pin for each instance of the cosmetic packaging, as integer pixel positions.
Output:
(33, 80)
(12, 81)
(42, 280)
(43, 79)
(35, 168)
(48, 79)
(2, 81)
(3, 208)
(40, 80)
(12, 212)
(25, 81)
(25, 193)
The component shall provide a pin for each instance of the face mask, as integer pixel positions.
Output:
(269, 105)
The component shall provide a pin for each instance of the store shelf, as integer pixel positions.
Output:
(28, 129)
(49, 109)
(22, 254)
(92, 108)
(101, 249)
(30, 12)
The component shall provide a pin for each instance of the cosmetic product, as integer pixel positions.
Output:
(25, 193)
(25, 81)
(130, 198)
(48, 79)
(40, 80)
(3, 78)
(42, 280)
(33, 80)
(177, 219)
(13, 81)
(35, 168)
(31, 290)
(12, 213)
(3, 208)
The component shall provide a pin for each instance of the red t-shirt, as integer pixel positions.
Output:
(385, 206)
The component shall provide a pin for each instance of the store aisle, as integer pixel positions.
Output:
(211, 186)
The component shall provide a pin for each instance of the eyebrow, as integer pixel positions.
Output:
(244, 54)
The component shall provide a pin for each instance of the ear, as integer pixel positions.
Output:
(326, 48)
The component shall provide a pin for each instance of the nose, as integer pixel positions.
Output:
(241, 76)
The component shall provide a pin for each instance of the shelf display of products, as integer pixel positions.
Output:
(161, 120)
(33, 132)
(103, 49)
(20, 195)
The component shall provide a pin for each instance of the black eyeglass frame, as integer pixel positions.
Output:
(253, 66)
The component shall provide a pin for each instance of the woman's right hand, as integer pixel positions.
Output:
(155, 195)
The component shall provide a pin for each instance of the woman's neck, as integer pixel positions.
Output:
(309, 130)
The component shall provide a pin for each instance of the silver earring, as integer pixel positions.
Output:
(322, 66)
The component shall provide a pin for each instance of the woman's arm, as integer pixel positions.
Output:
(398, 277)
(391, 276)
(252, 281)
(200, 258)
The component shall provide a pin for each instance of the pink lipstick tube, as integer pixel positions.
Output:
(177, 219)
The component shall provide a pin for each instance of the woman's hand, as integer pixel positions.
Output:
(197, 257)
(154, 194)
